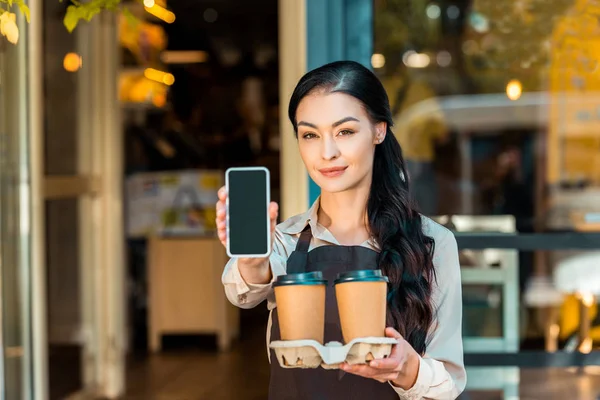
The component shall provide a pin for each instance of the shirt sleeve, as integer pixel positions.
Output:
(442, 373)
(246, 295)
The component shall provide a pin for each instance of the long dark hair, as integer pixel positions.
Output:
(406, 253)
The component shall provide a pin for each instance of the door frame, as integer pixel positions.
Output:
(98, 186)
(292, 65)
(313, 33)
(303, 46)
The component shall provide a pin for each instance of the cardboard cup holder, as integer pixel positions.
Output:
(312, 354)
(361, 301)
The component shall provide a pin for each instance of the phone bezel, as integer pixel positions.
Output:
(268, 220)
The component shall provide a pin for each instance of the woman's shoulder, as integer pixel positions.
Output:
(294, 225)
(434, 230)
(445, 252)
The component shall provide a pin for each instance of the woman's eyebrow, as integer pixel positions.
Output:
(337, 123)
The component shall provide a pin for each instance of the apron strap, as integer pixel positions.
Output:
(304, 240)
(297, 261)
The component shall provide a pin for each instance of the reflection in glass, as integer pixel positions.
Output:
(495, 104)
(15, 304)
(487, 101)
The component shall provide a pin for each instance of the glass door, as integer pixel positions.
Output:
(82, 202)
(69, 307)
(15, 267)
(61, 242)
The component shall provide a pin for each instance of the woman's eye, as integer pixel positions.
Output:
(309, 135)
(346, 132)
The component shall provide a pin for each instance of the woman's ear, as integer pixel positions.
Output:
(380, 129)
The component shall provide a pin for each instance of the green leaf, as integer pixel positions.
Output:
(76, 13)
(72, 18)
(24, 9)
(86, 11)
(112, 5)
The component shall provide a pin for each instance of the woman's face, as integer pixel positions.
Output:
(337, 140)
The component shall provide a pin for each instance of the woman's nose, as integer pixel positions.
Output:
(330, 150)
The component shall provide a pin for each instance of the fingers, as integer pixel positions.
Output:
(223, 238)
(385, 364)
(385, 369)
(222, 193)
(221, 205)
(360, 369)
(398, 353)
(221, 219)
(273, 213)
(221, 211)
(376, 367)
(273, 210)
(392, 333)
(372, 373)
(388, 377)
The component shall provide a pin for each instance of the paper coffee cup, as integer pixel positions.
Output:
(362, 303)
(300, 302)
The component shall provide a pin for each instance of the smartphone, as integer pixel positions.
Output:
(248, 222)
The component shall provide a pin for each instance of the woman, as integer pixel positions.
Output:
(365, 217)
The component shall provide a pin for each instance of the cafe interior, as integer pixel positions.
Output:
(496, 102)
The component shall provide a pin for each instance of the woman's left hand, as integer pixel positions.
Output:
(401, 367)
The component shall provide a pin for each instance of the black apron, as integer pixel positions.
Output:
(319, 383)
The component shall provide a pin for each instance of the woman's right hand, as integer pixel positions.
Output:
(252, 269)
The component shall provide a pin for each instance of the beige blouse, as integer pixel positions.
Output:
(441, 373)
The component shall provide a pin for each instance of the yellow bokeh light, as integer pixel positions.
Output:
(514, 89)
(159, 100)
(72, 62)
(149, 3)
(159, 76)
(377, 60)
(168, 79)
(161, 13)
(137, 88)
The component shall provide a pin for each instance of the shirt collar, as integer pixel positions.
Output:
(310, 217)
(300, 221)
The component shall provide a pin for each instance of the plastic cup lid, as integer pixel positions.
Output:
(366, 275)
(307, 278)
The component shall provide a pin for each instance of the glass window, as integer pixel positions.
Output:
(15, 289)
(494, 105)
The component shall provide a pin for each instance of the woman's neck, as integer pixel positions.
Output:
(344, 214)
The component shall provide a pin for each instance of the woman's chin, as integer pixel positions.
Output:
(334, 187)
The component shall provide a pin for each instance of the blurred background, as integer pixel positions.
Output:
(114, 140)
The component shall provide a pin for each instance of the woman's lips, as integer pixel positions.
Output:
(332, 172)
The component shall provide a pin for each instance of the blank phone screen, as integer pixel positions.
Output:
(248, 211)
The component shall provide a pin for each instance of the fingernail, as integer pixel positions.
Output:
(374, 364)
